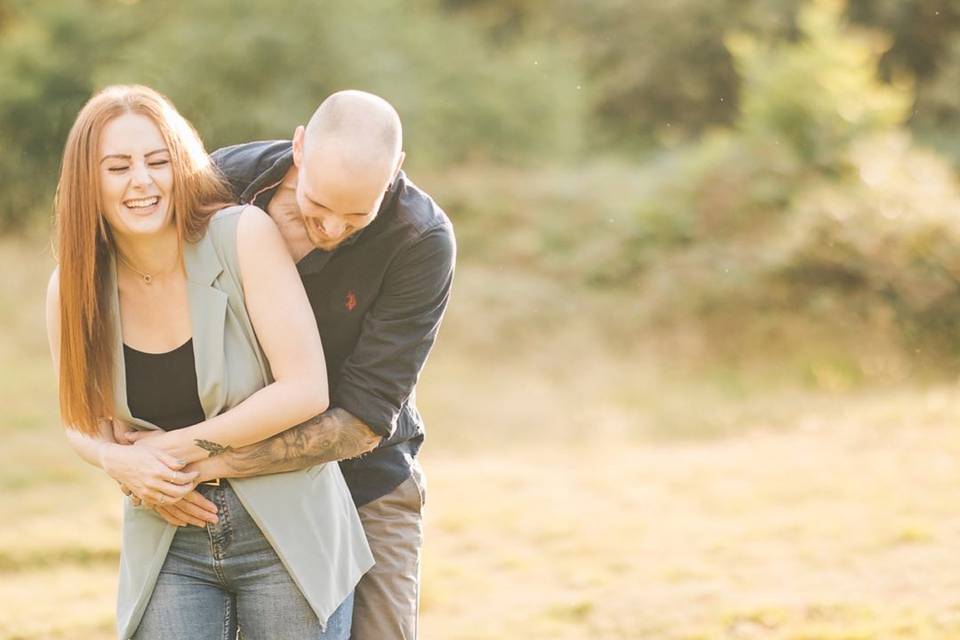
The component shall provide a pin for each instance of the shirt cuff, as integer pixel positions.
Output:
(375, 412)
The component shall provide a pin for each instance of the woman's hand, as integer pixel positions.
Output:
(176, 443)
(152, 475)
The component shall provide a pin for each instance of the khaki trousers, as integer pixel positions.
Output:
(387, 598)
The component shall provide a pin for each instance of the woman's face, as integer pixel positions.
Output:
(136, 177)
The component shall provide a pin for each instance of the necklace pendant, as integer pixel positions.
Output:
(148, 278)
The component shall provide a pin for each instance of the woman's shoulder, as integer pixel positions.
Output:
(241, 219)
(240, 230)
(239, 215)
(229, 216)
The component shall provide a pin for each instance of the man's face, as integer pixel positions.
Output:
(336, 202)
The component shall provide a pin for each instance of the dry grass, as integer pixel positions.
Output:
(581, 485)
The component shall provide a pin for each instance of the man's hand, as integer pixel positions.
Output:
(133, 436)
(192, 509)
(120, 430)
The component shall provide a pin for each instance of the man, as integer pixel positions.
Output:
(376, 256)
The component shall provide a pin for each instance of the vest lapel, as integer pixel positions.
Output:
(208, 308)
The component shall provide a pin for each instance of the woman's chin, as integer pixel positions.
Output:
(146, 225)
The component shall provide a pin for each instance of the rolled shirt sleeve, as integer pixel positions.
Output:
(398, 332)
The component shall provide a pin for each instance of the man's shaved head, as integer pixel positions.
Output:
(361, 128)
(345, 159)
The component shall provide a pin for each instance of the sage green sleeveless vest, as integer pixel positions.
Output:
(308, 516)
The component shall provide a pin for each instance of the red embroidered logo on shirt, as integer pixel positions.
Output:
(351, 303)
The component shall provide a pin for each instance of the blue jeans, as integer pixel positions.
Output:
(226, 576)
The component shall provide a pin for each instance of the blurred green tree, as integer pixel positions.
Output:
(657, 72)
(818, 94)
(48, 54)
(261, 67)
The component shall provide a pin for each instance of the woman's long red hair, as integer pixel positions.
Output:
(84, 244)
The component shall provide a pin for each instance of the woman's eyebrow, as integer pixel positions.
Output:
(125, 156)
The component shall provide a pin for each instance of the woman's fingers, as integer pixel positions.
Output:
(180, 477)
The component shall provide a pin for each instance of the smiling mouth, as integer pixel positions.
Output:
(141, 203)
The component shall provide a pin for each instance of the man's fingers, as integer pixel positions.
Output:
(168, 515)
(120, 430)
(197, 499)
(196, 514)
(176, 511)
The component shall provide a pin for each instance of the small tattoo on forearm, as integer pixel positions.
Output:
(214, 448)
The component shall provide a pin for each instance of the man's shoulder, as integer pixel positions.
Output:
(243, 163)
(425, 234)
(418, 211)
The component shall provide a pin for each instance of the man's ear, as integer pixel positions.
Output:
(396, 170)
(298, 146)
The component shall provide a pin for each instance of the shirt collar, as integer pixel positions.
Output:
(268, 181)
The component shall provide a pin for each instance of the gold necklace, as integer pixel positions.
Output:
(146, 277)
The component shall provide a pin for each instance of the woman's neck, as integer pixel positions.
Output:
(156, 254)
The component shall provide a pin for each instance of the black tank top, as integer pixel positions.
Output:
(162, 387)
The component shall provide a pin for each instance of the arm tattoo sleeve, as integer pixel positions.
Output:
(333, 435)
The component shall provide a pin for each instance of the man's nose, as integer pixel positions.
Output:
(331, 226)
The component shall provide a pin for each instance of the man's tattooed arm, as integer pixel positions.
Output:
(333, 435)
(212, 447)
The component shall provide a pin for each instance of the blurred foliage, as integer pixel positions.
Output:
(889, 239)
(926, 44)
(658, 72)
(816, 202)
(711, 156)
(251, 69)
(819, 93)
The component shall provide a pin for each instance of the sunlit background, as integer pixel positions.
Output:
(698, 379)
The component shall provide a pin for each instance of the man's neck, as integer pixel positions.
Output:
(285, 212)
(289, 180)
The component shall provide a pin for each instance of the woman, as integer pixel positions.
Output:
(165, 314)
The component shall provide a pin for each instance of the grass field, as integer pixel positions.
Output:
(581, 486)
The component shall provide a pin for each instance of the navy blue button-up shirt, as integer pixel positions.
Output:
(379, 298)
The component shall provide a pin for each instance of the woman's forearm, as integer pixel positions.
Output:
(272, 409)
(90, 449)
